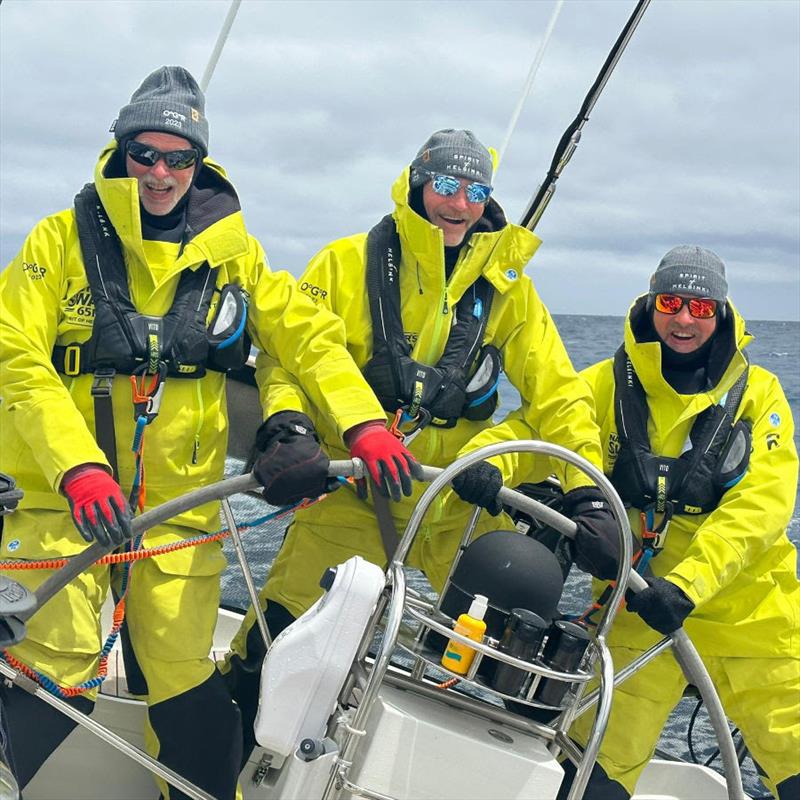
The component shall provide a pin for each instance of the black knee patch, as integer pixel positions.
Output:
(34, 729)
(243, 679)
(199, 734)
(599, 787)
(790, 788)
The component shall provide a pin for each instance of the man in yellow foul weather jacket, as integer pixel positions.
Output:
(118, 321)
(435, 302)
(699, 445)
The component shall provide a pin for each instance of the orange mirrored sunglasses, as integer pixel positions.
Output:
(699, 307)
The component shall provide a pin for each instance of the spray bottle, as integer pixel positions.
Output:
(458, 657)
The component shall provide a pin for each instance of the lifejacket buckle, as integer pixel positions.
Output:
(103, 381)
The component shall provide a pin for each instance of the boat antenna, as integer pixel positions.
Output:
(527, 88)
(572, 136)
(221, 39)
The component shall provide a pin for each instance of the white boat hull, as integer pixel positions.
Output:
(414, 748)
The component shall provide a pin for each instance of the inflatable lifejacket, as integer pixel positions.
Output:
(129, 342)
(463, 382)
(715, 457)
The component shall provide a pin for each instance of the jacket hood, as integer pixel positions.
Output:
(501, 248)
(726, 358)
(214, 223)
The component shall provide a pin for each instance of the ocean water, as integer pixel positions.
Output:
(588, 339)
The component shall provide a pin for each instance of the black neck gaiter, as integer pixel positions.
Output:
(165, 227)
(686, 373)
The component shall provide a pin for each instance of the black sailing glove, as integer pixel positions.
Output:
(290, 465)
(479, 485)
(596, 543)
(9, 494)
(662, 605)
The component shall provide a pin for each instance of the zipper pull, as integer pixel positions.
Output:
(445, 309)
(196, 448)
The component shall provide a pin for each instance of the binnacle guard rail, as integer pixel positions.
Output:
(18, 604)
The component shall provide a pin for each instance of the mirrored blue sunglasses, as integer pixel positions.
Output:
(446, 186)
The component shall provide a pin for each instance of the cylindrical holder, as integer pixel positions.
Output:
(563, 651)
(522, 639)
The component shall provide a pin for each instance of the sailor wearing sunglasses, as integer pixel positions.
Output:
(699, 444)
(153, 280)
(435, 303)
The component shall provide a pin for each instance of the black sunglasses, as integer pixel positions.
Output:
(148, 156)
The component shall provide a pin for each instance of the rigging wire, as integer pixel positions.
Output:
(571, 137)
(221, 39)
(528, 87)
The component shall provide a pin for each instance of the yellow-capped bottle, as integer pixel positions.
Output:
(458, 657)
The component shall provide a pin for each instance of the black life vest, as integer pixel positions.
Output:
(129, 342)
(451, 388)
(694, 482)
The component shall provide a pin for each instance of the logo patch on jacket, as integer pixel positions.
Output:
(314, 292)
(613, 448)
(79, 309)
(34, 271)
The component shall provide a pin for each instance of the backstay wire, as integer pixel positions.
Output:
(527, 88)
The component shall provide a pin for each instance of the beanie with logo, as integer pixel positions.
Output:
(693, 271)
(169, 100)
(452, 152)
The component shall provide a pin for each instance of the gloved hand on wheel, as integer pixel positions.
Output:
(99, 509)
(479, 485)
(290, 464)
(662, 605)
(596, 543)
(388, 462)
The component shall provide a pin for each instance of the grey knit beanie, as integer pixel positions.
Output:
(452, 152)
(168, 100)
(691, 270)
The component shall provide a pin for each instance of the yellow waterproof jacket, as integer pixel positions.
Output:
(735, 563)
(555, 404)
(47, 420)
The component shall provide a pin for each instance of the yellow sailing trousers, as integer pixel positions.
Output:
(761, 696)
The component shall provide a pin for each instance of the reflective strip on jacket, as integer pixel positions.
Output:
(736, 563)
(47, 420)
(556, 406)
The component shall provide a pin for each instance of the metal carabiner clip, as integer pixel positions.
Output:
(420, 422)
(147, 402)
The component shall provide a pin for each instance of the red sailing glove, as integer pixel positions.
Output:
(389, 464)
(99, 509)
(479, 485)
(662, 605)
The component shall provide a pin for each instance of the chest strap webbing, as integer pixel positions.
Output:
(694, 482)
(397, 379)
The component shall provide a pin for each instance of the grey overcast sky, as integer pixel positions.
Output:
(315, 107)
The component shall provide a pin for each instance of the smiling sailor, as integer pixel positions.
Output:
(700, 446)
(435, 302)
(118, 321)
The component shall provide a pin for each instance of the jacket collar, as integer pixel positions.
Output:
(497, 249)
(215, 226)
(727, 359)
